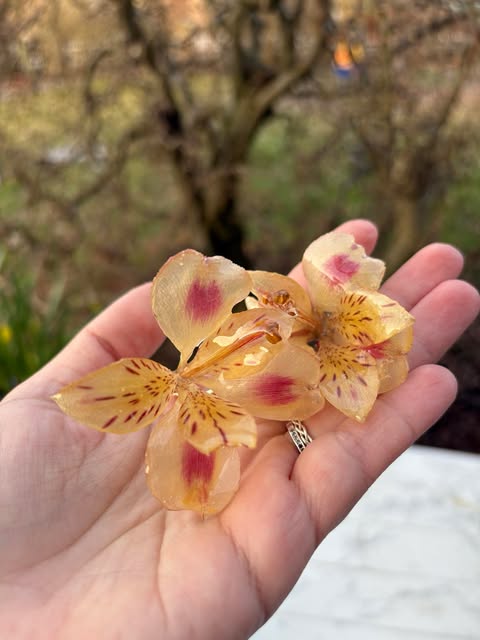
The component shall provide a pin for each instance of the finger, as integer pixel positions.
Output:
(126, 328)
(289, 502)
(364, 232)
(422, 273)
(339, 466)
(440, 319)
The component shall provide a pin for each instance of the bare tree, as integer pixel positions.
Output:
(259, 51)
(201, 79)
(403, 114)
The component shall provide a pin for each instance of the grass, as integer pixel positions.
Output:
(33, 328)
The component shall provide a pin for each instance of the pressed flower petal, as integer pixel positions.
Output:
(334, 263)
(192, 295)
(348, 379)
(392, 372)
(395, 320)
(276, 291)
(397, 345)
(367, 318)
(181, 477)
(209, 422)
(401, 343)
(286, 388)
(243, 344)
(392, 365)
(121, 397)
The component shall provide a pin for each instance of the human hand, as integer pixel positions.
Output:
(86, 551)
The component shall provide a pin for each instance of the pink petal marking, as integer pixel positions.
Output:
(196, 465)
(203, 300)
(376, 350)
(340, 268)
(275, 389)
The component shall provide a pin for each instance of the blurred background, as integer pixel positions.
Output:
(130, 129)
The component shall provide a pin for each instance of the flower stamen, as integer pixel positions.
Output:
(272, 336)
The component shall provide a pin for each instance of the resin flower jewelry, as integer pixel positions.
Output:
(359, 336)
(192, 460)
(342, 341)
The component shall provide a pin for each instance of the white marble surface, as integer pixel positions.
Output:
(404, 565)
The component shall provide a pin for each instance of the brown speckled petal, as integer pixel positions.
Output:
(209, 422)
(349, 379)
(121, 397)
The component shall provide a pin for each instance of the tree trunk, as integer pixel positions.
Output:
(404, 234)
(223, 226)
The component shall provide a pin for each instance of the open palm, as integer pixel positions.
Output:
(87, 552)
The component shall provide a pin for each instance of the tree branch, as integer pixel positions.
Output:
(427, 30)
(285, 80)
(442, 119)
(171, 116)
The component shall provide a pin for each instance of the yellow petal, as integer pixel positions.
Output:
(397, 345)
(242, 345)
(210, 422)
(280, 292)
(335, 263)
(121, 397)
(286, 388)
(401, 343)
(367, 318)
(392, 372)
(192, 295)
(181, 477)
(392, 365)
(348, 379)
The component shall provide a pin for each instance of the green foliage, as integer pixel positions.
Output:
(11, 198)
(32, 330)
(461, 219)
(297, 185)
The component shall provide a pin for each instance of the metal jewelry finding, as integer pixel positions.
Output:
(299, 434)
